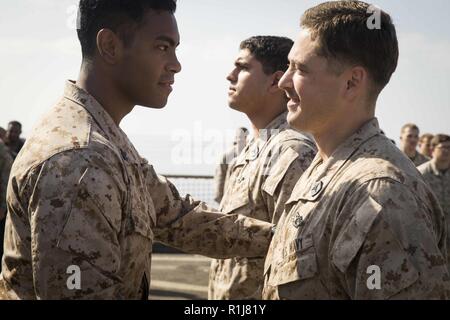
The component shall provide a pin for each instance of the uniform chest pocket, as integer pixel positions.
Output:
(139, 218)
(237, 195)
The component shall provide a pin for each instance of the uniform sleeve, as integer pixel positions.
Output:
(5, 168)
(195, 228)
(75, 214)
(393, 246)
(285, 168)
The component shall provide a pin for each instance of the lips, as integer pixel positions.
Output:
(167, 84)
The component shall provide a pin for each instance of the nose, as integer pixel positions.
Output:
(286, 81)
(232, 76)
(174, 65)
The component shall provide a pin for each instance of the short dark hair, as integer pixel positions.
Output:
(439, 138)
(94, 15)
(15, 123)
(271, 51)
(341, 28)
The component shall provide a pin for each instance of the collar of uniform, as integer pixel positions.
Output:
(317, 178)
(255, 146)
(103, 119)
(436, 171)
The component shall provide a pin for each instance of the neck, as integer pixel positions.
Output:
(331, 137)
(98, 85)
(441, 165)
(265, 115)
(411, 153)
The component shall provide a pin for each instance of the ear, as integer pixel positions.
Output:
(275, 79)
(110, 46)
(357, 79)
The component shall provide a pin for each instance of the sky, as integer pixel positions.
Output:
(39, 50)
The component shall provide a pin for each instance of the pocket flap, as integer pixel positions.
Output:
(278, 171)
(302, 267)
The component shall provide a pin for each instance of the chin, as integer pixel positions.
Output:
(295, 122)
(155, 104)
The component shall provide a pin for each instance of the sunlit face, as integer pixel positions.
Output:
(410, 138)
(313, 89)
(147, 70)
(441, 152)
(248, 83)
(425, 147)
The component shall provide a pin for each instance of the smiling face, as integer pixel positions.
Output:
(248, 83)
(313, 88)
(146, 72)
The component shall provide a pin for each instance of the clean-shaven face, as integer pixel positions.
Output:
(312, 89)
(248, 83)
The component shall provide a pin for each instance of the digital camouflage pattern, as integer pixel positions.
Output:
(260, 182)
(440, 184)
(365, 206)
(5, 166)
(81, 195)
(419, 159)
(222, 173)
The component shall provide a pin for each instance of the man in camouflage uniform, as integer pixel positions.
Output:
(409, 138)
(222, 171)
(13, 139)
(264, 174)
(83, 206)
(361, 222)
(437, 173)
(425, 145)
(5, 167)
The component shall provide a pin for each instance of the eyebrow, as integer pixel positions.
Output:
(240, 63)
(169, 40)
(298, 64)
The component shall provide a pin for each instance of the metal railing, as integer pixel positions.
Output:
(199, 187)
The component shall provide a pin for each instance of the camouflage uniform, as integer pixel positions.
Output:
(365, 206)
(261, 180)
(81, 195)
(222, 172)
(440, 184)
(5, 167)
(419, 159)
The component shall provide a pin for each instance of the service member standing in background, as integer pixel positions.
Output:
(409, 138)
(425, 145)
(437, 173)
(222, 170)
(5, 167)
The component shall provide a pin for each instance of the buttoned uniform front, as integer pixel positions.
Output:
(361, 225)
(260, 182)
(80, 196)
